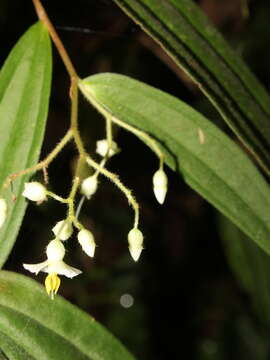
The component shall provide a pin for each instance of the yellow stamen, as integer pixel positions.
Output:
(52, 283)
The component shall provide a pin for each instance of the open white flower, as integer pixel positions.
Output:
(54, 265)
(102, 148)
(3, 211)
(35, 191)
(135, 241)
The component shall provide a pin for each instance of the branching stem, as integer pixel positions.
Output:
(44, 163)
(115, 179)
(73, 133)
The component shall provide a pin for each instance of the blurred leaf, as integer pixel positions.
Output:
(3, 356)
(25, 81)
(12, 350)
(53, 330)
(184, 32)
(251, 266)
(211, 163)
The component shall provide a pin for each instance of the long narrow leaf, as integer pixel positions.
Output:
(211, 163)
(54, 330)
(195, 45)
(25, 81)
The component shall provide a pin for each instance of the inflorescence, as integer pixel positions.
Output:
(54, 265)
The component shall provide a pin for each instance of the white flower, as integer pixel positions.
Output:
(54, 265)
(87, 242)
(135, 240)
(35, 191)
(3, 211)
(89, 186)
(160, 183)
(102, 148)
(63, 230)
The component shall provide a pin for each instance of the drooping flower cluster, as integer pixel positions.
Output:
(54, 265)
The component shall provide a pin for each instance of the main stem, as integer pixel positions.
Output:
(41, 13)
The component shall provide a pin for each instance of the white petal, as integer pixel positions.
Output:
(36, 268)
(55, 250)
(160, 193)
(61, 268)
(135, 241)
(160, 183)
(135, 252)
(135, 238)
(34, 191)
(102, 148)
(89, 186)
(63, 230)
(89, 249)
(87, 242)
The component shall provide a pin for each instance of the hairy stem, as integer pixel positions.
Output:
(115, 179)
(143, 136)
(44, 163)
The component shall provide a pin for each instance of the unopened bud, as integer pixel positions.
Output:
(103, 148)
(34, 191)
(63, 230)
(87, 242)
(135, 241)
(3, 211)
(55, 250)
(89, 186)
(160, 183)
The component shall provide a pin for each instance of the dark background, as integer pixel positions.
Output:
(187, 303)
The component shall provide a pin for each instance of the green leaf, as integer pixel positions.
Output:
(3, 356)
(12, 350)
(251, 266)
(211, 163)
(52, 329)
(25, 81)
(184, 32)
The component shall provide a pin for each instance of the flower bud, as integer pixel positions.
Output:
(34, 191)
(87, 242)
(135, 240)
(89, 186)
(63, 230)
(102, 148)
(160, 183)
(3, 211)
(55, 250)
